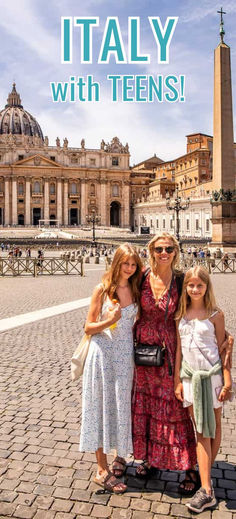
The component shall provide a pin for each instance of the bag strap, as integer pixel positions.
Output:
(179, 279)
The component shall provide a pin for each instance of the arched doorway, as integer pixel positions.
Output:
(74, 216)
(52, 218)
(115, 214)
(21, 219)
(36, 215)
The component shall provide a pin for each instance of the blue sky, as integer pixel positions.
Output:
(30, 55)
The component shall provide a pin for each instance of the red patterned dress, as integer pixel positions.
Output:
(162, 430)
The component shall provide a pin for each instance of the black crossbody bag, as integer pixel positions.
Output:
(154, 354)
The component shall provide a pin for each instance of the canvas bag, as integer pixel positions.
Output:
(79, 357)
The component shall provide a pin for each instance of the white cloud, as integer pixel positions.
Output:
(19, 20)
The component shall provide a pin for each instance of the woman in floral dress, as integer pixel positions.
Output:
(163, 435)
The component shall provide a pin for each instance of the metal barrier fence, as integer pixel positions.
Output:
(213, 265)
(36, 266)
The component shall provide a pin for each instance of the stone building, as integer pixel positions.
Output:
(58, 183)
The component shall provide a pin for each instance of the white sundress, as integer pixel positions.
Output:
(107, 386)
(200, 351)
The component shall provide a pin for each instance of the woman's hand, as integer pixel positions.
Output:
(179, 391)
(114, 314)
(225, 393)
(227, 345)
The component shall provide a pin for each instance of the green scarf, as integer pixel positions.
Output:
(202, 397)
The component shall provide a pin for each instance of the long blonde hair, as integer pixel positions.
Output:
(110, 279)
(151, 245)
(209, 298)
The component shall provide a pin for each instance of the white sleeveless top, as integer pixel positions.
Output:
(200, 351)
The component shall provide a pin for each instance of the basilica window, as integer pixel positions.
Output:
(207, 225)
(115, 161)
(73, 188)
(20, 157)
(36, 187)
(163, 223)
(20, 188)
(52, 189)
(187, 224)
(92, 189)
(92, 162)
(115, 190)
(157, 223)
(1, 187)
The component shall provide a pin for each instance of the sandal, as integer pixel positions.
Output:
(118, 467)
(144, 471)
(110, 484)
(191, 476)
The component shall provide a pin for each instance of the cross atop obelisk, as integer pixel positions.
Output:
(222, 31)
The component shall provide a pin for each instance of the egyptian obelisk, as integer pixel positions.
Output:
(223, 208)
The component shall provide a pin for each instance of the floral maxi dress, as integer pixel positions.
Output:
(107, 387)
(162, 430)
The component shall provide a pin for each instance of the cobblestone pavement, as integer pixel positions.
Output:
(42, 474)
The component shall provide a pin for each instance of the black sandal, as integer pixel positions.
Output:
(146, 471)
(191, 476)
(118, 467)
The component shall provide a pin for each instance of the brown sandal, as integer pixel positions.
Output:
(118, 467)
(109, 483)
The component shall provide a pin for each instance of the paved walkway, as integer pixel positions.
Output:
(42, 474)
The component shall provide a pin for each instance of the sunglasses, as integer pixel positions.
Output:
(159, 250)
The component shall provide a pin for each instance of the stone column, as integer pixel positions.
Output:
(104, 202)
(46, 199)
(65, 202)
(126, 204)
(7, 202)
(59, 201)
(27, 201)
(14, 201)
(83, 201)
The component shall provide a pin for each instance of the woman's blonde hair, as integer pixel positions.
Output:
(151, 246)
(209, 298)
(111, 278)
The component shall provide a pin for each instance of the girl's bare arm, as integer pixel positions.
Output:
(93, 326)
(219, 323)
(177, 381)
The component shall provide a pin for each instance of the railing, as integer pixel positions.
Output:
(213, 265)
(36, 266)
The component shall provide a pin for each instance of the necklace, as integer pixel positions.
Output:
(165, 288)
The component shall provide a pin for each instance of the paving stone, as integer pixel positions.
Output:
(62, 505)
(180, 511)
(78, 483)
(7, 509)
(119, 501)
(229, 474)
(216, 514)
(142, 515)
(43, 490)
(43, 502)
(63, 515)
(121, 513)
(41, 514)
(9, 484)
(24, 512)
(82, 508)
(25, 499)
(138, 504)
(101, 511)
(161, 508)
(62, 492)
(227, 483)
(80, 495)
(8, 496)
(46, 480)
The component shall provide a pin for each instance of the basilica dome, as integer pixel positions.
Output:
(17, 121)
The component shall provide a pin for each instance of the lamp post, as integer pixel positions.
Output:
(93, 218)
(176, 204)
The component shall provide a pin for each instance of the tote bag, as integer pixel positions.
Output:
(79, 357)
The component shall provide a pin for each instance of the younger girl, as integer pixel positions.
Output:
(198, 380)
(108, 372)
